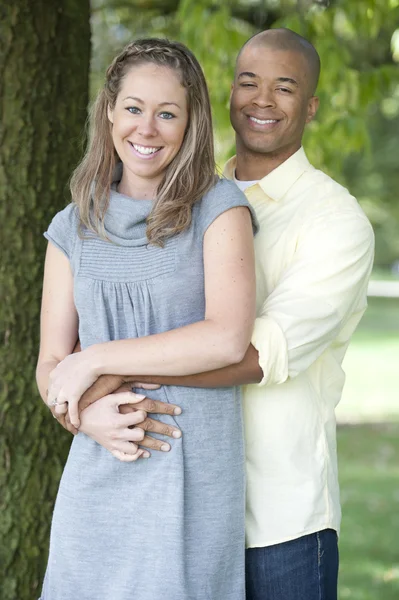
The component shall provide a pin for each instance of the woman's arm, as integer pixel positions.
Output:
(221, 339)
(58, 320)
(58, 336)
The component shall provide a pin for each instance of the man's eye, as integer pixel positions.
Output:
(166, 115)
(133, 109)
(247, 85)
(283, 89)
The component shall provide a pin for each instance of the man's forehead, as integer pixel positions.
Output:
(263, 61)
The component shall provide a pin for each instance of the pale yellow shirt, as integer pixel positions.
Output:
(314, 255)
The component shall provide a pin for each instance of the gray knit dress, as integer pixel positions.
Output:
(170, 527)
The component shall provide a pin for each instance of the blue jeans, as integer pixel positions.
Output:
(301, 569)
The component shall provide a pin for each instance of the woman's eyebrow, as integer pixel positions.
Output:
(134, 98)
(142, 101)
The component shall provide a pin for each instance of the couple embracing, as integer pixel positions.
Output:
(152, 267)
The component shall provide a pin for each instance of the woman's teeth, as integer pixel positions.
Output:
(145, 149)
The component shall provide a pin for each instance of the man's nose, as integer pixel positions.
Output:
(264, 98)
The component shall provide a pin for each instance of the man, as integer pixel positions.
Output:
(314, 257)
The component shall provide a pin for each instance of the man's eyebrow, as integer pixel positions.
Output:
(288, 80)
(142, 101)
(247, 74)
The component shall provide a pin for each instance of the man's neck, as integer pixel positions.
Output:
(253, 166)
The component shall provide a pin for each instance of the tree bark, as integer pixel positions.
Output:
(44, 63)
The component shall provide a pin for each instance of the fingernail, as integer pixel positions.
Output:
(146, 455)
(177, 411)
(176, 434)
(140, 396)
(165, 447)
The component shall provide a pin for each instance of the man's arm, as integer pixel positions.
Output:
(322, 288)
(247, 371)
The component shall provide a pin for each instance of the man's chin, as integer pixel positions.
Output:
(261, 147)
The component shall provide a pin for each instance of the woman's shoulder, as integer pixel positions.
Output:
(68, 215)
(63, 229)
(223, 193)
(227, 189)
(222, 196)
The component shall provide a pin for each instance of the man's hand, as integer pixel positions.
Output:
(103, 386)
(107, 384)
(152, 425)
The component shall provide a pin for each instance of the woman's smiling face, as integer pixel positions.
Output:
(149, 121)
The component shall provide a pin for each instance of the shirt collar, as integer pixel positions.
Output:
(277, 183)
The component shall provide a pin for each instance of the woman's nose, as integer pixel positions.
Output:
(147, 126)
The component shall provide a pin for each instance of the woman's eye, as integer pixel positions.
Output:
(166, 115)
(133, 109)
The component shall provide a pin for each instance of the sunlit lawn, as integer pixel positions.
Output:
(368, 452)
(372, 366)
(369, 544)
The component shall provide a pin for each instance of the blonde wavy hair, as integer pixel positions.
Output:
(190, 174)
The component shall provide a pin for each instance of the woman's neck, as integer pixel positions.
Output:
(138, 188)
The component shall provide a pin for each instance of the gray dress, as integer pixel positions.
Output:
(170, 527)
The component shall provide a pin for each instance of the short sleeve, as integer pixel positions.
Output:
(223, 196)
(63, 230)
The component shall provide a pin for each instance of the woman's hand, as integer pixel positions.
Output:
(64, 421)
(103, 422)
(68, 382)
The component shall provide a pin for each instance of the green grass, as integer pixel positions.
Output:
(369, 546)
(384, 274)
(371, 392)
(368, 452)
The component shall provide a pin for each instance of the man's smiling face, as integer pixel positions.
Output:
(271, 101)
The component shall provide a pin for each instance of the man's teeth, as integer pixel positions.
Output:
(144, 149)
(261, 122)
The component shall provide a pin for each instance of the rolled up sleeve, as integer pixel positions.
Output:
(322, 288)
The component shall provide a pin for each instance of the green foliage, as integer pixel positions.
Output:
(359, 83)
(353, 39)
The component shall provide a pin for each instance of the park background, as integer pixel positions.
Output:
(52, 59)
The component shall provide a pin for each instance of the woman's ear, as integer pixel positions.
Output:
(110, 114)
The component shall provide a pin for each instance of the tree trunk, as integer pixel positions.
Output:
(44, 63)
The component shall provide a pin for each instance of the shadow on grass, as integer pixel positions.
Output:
(369, 542)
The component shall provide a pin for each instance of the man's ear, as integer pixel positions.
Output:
(313, 105)
(110, 114)
(231, 90)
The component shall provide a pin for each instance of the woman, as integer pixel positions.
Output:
(153, 270)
